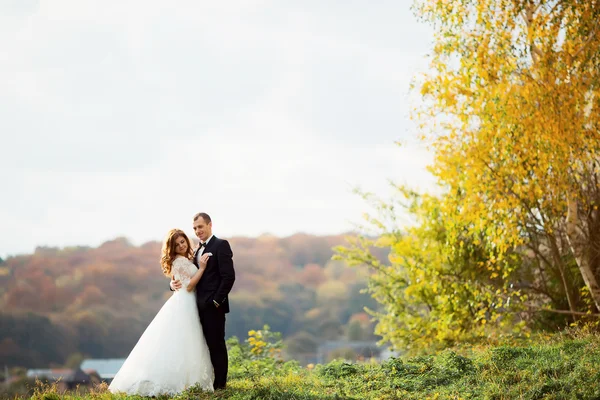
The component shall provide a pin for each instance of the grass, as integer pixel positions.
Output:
(560, 367)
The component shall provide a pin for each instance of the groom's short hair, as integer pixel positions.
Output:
(204, 216)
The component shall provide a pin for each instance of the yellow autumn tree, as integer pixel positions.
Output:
(512, 111)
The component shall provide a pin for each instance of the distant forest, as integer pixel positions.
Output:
(95, 302)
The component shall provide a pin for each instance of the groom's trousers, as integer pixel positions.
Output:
(213, 325)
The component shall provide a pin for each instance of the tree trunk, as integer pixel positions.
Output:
(580, 249)
(561, 269)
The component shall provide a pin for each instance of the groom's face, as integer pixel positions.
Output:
(202, 229)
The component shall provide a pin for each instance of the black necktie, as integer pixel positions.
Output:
(202, 245)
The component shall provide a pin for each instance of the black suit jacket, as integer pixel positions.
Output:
(218, 278)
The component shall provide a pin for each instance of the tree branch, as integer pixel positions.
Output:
(588, 40)
(565, 312)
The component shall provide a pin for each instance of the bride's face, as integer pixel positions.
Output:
(181, 246)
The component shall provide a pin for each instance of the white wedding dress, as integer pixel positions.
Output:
(171, 355)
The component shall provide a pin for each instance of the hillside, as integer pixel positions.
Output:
(564, 366)
(96, 302)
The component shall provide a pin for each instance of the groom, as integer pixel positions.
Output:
(212, 293)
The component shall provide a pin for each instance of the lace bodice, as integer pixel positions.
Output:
(183, 270)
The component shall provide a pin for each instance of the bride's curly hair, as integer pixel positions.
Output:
(168, 250)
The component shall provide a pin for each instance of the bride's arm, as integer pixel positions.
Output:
(179, 273)
(201, 267)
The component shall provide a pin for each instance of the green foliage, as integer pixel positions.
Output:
(559, 367)
(338, 369)
(258, 356)
(38, 337)
(434, 293)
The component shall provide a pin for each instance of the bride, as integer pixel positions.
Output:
(171, 355)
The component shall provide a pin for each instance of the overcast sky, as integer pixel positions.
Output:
(124, 118)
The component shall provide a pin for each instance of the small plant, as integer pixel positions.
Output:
(338, 369)
(259, 355)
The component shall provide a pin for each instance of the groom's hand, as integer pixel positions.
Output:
(175, 284)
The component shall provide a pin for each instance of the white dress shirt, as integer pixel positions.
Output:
(202, 250)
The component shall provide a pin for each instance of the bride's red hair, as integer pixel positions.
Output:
(168, 250)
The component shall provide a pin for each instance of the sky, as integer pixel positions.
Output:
(125, 118)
